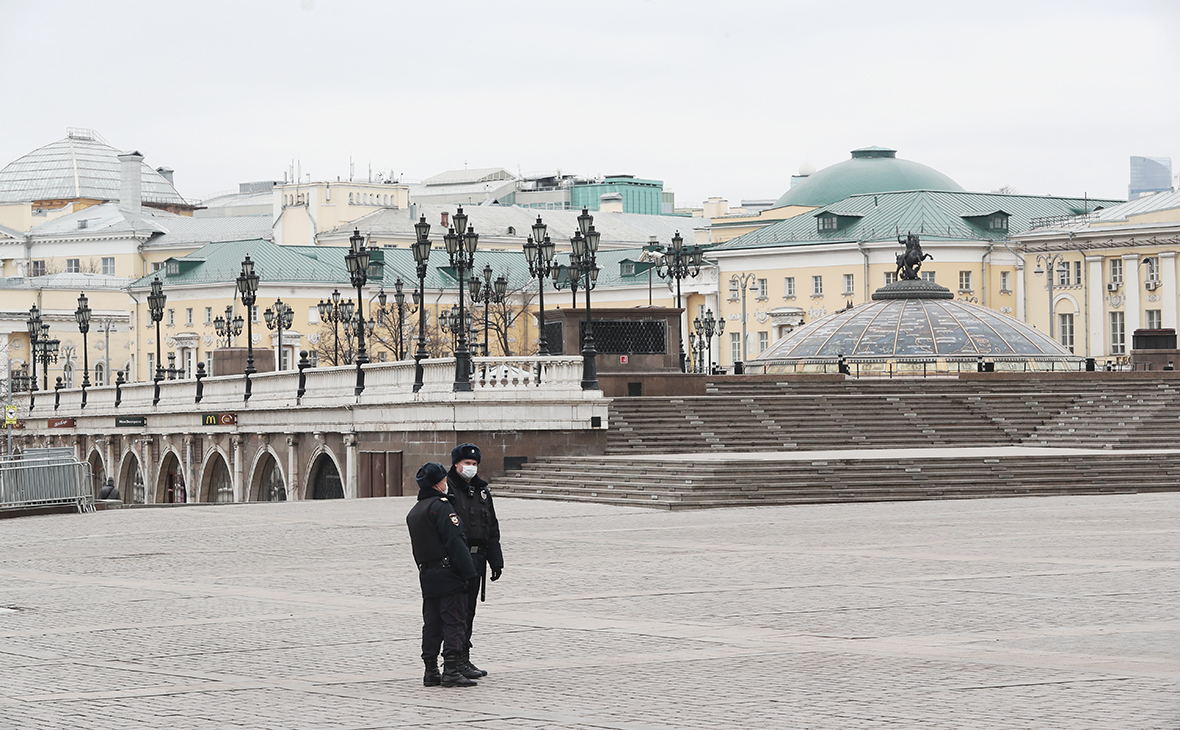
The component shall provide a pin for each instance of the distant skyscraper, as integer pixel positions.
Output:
(1150, 175)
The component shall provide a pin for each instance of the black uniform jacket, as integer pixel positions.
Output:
(473, 502)
(440, 547)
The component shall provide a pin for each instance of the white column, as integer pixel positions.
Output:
(351, 463)
(1096, 291)
(188, 470)
(1020, 314)
(292, 484)
(1131, 289)
(1168, 297)
(5, 363)
(238, 485)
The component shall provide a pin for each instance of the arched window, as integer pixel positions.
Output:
(100, 374)
(350, 198)
(67, 374)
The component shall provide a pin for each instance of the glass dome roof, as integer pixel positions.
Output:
(81, 165)
(923, 330)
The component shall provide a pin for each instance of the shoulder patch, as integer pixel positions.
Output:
(455, 519)
(442, 499)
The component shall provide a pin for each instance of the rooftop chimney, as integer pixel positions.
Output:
(130, 181)
(166, 173)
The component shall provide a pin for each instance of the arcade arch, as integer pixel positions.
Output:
(217, 485)
(324, 477)
(131, 480)
(267, 483)
(98, 471)
(170, 487)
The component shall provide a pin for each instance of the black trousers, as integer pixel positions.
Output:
(481, 567)
(444, 621)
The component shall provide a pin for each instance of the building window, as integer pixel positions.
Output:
(789, 287)
(1065, 330)
(1063, 274)
(313, 314)
(998, 222)
(208, 315)
(733, 290)
(254, 314)
(37, 268)
(763, 289)
(1151, 266)
(1155, 319)
(928, 276)
(157, 265)
(735, 346)
(890, 277)
(151, 365)
(188, 317)
(965, 281)
(849, 286)
(763, 342)
(627, 268)
(1116, 271)
(1077, 273)
(1118, 339)
(171, 317)
(108, 265)
(73, 266)
(817, 286)
(208, 362)
(350, 199)
(827, 222)
(1005, 282)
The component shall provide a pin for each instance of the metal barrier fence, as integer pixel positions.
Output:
(45, 477)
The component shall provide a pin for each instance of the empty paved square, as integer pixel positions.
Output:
(1021, 613)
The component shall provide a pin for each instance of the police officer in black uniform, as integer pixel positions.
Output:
(444, 571)
(473, 501)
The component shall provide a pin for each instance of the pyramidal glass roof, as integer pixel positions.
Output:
(899, 329)
(82, 165)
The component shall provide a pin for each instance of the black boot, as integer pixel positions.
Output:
(431, 678)
(468, 669)
(452, 677)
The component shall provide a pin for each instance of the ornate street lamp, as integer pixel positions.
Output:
(357, 260)
(1053, 263)
(491, 294)
(706, 328)
(228, 326)
(330, 311)
(399, 299)
(248, 288)
(49, 349)
(585, 247)
(678, 263)
(34, 325)
(422, 258)
(280, 317)
(461, 249)
(538, 251)
(82, 315)
(156, 306)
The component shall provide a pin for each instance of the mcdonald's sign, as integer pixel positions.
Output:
(219, 419)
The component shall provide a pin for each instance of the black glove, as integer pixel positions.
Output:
(496, 572)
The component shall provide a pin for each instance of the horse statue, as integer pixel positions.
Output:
(910, 262)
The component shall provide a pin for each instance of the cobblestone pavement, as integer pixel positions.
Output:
(1019, 613)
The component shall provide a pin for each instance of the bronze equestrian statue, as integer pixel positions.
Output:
(910, 262)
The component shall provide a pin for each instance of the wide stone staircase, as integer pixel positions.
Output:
(750, 442)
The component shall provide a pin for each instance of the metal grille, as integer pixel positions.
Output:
(553, 338)
(629, 337)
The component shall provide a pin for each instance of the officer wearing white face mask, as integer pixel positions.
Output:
(471, 498)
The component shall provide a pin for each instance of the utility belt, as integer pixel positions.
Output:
(443, 563)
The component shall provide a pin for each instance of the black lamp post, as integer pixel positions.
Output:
(492, 293)
(49, 348)
(422, 258)
(399, 298)
(679, 263)
(540, 266)
(248, 288)
(34, 325)
(82, 314)
(357, 260)
(461, 249)
(706, 328)
(156, 306)
(335, 311)
(280, 317)
(585, 246)
(228, 326)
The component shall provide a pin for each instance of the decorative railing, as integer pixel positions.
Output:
(492, 378)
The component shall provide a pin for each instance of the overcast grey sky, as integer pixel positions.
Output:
(713, 98)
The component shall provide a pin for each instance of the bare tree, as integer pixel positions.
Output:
(1006, 190)
(504, 317)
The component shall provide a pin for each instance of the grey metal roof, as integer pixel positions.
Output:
(466, 177)
(168, 228)
(617, 229)
(80, 165)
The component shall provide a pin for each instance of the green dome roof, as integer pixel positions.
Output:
(871, 170)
